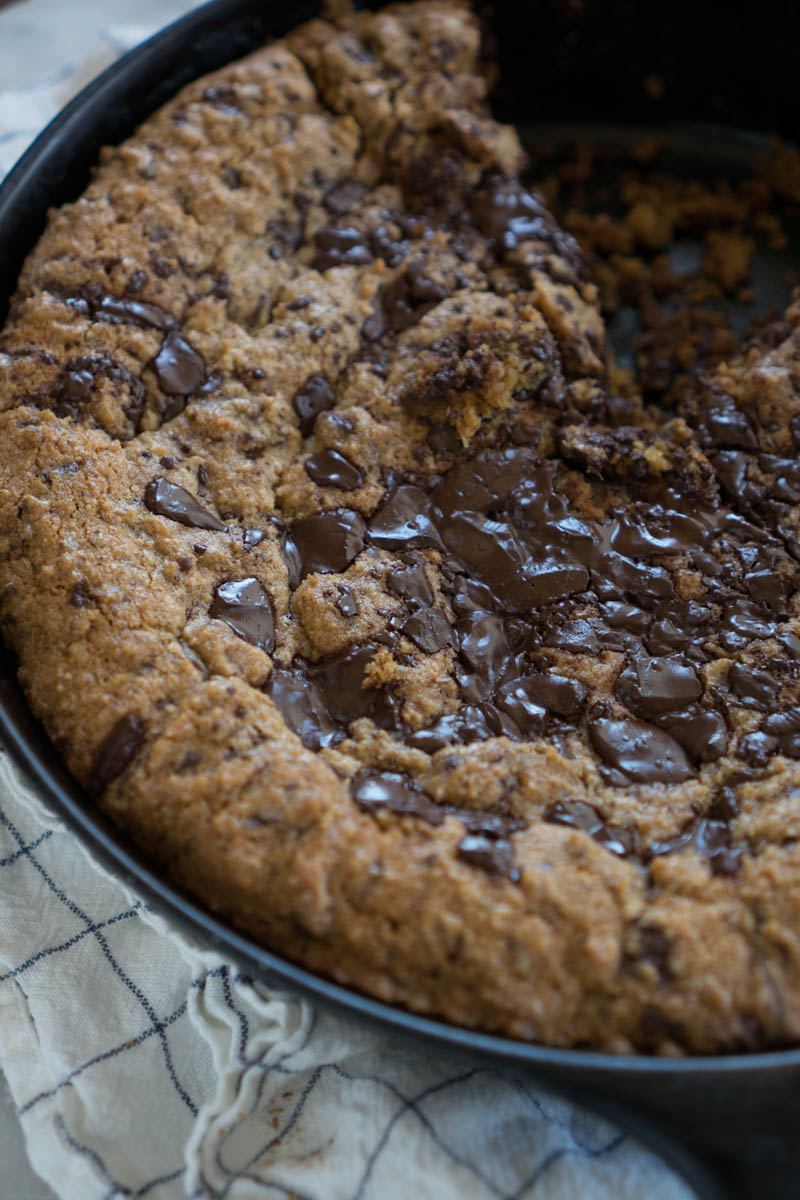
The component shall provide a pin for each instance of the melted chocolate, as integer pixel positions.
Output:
(346, 247)
(343, 196)
(410, 585)
(495, 857)
(641, 752)
(326, 541)
(117, 749)
(373, 790)
(329, 468)
(756, 689)
(179, 368)
(78, 379)
(119, 310)
(651, 687)
(428, 629)
(521, 571)
(346, 603)
(785, 728)
(314, 397)
(404, 301)
(167, 499)
(709, 838)
(244, 606)
(342, 681)
(519, 702)
(404, 521)
(575, 814)
(303, 708)
(507, 214)
(487, 844)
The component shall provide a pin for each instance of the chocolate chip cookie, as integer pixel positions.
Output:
(338, 581)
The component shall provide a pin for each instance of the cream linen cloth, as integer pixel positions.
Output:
(143, 1066)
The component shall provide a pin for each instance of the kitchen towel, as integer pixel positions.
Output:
(142, 1065)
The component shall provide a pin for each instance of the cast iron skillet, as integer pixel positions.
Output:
(567, 60)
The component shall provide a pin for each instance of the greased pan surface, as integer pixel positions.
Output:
(740, 1109)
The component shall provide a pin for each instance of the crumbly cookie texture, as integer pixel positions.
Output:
(334, 581)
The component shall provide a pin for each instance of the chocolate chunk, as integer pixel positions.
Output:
(302, 706)
(576, 814)
(468, 725)
(288, 235)
(785, 727)
(428, 629)
(407, 298)
(482, 640)
(244, 606)
(577, 636)
(224, 97)
(116, 751)
(136, 282)
(723, 424)
(493, 550)
(80, 596)
(116, 310)
(701, 732)
(648, 585)
(652, 686)
(404, 521)
(515, 698)
(620, 615)
(326, 541)
(767, 587)
(508, 214)
(655, 947)
(386, 246)
(490, 824)
(314, 397)
(494, 857)
(77, 381)
(709, 838)
(643, 753)
(725, 805)
(179, 368)
(756, 689)
(410, 584)
(372, 790)
(167, 499)
(329, 468)
(346, 603)
(341, 682)
(713, 840)
(746, 621)
(347, 247)
(252, 538)
(757, 748)
(343, 196)
(558, 693)
(133, 312)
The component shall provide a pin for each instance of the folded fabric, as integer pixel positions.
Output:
(143, 1065)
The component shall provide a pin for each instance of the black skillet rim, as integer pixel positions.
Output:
(37, 757)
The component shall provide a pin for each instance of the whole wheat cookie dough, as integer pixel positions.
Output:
(336, 578)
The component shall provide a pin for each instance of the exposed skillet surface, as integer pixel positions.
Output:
(740, 1110)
